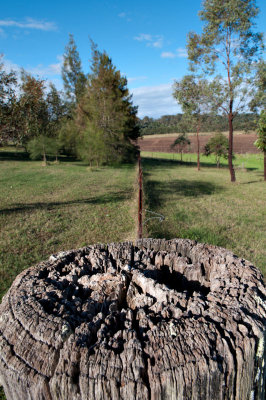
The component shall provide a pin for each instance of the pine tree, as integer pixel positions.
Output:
(106, 111)
(72, 74)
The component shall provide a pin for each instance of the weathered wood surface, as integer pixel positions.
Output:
(184, 321)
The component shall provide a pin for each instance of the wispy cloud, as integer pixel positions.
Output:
(125, 16)
(50, 70)
(150, 40)
(155, 101)
(29, 23)
(179, 53)
(136, 78)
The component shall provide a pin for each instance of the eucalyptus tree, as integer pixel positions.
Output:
(258, 101)
(227, 44)
(193, 94)
(261, 141)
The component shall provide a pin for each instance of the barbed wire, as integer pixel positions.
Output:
(158, 216)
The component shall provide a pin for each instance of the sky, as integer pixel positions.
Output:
(146, 40)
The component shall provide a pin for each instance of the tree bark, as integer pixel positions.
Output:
(157, 320)
(198, 146)
(264, 165)
(230, 148)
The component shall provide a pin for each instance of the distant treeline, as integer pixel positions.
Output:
(210, 123)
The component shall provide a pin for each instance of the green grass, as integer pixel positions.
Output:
(44, 210)
(205, 206)
(248, 161)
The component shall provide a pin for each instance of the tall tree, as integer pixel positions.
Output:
(258, 101)
(193, 94)
(261, 141)
(8, 84)
(33, 113)
(72, 74)
(227, 40)
(106, 110)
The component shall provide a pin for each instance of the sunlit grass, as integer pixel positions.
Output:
(205, 206)
(44, 210)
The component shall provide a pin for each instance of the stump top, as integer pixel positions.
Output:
(111, 322)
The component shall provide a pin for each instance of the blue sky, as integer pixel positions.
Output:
(145, 39)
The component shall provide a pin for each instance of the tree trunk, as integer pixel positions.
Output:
(230, 140)
(44, 158)
(264, 165)
(157, 320)
(198, 146)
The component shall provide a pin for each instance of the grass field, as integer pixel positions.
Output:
(44, 210)
(205, 206)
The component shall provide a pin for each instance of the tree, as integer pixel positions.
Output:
(193, 94)
(32, 113)
(106, 111)
(227, 38)
(181, 142)
(8, 84)
(259, 99)
(218, 145)
(57, 110)
(42, 146)
(72, 74)
(261, 141)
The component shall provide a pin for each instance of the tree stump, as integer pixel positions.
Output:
(157, 320)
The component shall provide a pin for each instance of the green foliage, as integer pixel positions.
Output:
(106, 112)
(227, 40)
(72, 74)
(261, 141)
(209, 123)
(259, 98)
(181, 142)
(218, 145)
(8, 84)
(193, 94)
(33, 113)
(41, 146)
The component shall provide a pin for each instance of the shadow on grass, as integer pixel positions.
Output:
(158, 192)
(114, 197)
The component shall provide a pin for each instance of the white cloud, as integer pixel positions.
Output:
(168, 54)
(155, 101)
(179, 53)
(136, 78)
(151, 40)
(29, 23)
(122, 15)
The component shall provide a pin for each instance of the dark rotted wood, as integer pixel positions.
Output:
(174, 320)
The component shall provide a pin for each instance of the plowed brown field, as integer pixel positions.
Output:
(242, 144)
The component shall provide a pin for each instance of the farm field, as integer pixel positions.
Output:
(243, 143)
(44, 210)
(206, 207)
